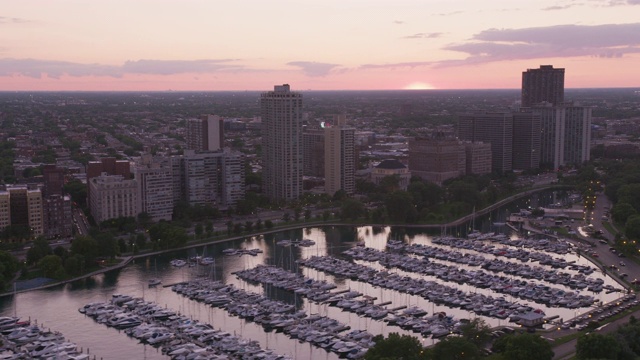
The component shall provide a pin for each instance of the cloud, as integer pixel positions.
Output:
(610, 40)
(432, 35)
(558, 7)
(449, 13)
(398, 22)
(396, 65)
(170, 67)
(12, 20)
(36, 68)
(622, 2)
(312, 68)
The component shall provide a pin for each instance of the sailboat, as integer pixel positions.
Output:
(156, 280)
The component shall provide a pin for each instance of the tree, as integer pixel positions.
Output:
(396, 346)
(523, 347)
(78, 192)
(248, 225)
(632, 227)
(326, 215)
(477, 331)
(455, 348)
(352, 209)
(296, 213)
(622, 211)
(38, 250)
(208, 227)
(74, 264)
(268, 224)
(199, 230)
(400, 207)
(307, 214)
(85, 246)
(597, 346)
(51, 266)
(286, 217)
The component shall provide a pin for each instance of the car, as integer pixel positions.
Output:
(635, 282)
(622, 263)
(602, 241)
(621, 255)
(594, 255)
(623, 275)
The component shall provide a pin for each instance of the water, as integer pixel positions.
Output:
(56, 308)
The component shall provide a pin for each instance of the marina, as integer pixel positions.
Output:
(351, 282)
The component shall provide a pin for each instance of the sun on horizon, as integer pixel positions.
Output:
(419, 86)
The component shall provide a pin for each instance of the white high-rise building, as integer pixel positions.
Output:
(281, 111)
(155, 187)
(209, 178)
(339, 157)
(113, 196)
(565, 137)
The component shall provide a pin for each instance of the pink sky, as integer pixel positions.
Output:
(314, 45)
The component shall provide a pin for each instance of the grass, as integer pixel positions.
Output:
(612, 230)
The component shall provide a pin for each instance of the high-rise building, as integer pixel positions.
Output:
(478, 159)
(26, 208)
(53, 180)
(565, 134)
(113, 196)
(526, 141)
(205, 133)
(110, 166)
(5, 209)
(339, 157)
(545, 84)
(155, 187)
(281, 112)
(436, 160)
(552, 130)
(495, 128)
(313, 152)
(58, 220)
(577, 134)
(210, 178)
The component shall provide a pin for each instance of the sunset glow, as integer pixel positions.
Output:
(190, 45)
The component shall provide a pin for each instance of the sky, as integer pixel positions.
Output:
(212, 45)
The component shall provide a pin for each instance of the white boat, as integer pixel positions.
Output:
(154, 282)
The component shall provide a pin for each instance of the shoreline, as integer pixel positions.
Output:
(125, 260)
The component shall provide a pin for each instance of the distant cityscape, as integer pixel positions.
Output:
(147, 152)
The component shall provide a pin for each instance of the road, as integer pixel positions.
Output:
(608, 258)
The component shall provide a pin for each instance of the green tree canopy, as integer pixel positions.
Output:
(456, 348)
(523, 347)
(51, 266)
(396, 346)
(597, 346)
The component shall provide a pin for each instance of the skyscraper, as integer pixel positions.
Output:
(205, 133)
(339, 157)
(526, 141)
(495, 128)
(545, 84)
(281, 111)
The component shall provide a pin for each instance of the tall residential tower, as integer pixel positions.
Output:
(281, 111)
(545, 84)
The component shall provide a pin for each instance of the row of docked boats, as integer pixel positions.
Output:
(513, 249)
(240, 252)
(22, 340)
(350, 301)
(527, 290)
(274, 315)
(430, 290)
(296, 242)
(179, 336)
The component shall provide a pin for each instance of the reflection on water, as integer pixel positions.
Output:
(57, 307)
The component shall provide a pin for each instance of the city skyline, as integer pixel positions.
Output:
(330, 45)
